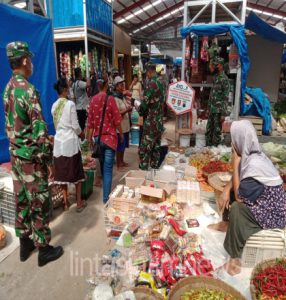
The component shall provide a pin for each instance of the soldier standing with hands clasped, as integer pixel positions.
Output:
(151, 107)
(31, 157)
(217, 102)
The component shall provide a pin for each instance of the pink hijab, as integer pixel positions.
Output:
(254, 163)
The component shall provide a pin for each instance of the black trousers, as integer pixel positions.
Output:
(81, 116)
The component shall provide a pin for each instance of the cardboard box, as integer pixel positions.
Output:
(135, 178)
(152, 194)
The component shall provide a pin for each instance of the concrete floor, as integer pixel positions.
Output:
(83, 237)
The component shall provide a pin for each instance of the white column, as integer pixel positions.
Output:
(85, 38)
(184, 41)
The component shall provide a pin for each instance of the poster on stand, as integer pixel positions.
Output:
(180, 97)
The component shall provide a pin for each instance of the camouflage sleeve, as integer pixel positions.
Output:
(44, 149)
(225, 95)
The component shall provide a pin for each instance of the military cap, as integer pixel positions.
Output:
(115, 71)
(150, 65)
(18, 49)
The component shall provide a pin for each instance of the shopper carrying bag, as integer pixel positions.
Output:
(104, 119)
(96, 147)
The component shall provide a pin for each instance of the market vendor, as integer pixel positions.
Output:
(259, 197)
(151, 107)
(217, 104)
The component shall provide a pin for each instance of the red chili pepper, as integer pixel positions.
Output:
(176, 227)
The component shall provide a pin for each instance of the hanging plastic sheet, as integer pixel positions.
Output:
(260, 106)
(268, 32)
(37, 31)
(237, 33)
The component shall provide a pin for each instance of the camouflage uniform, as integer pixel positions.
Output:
(152, 108)
(31, 153)
(217, 108)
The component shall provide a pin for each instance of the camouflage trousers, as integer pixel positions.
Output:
(32, 200)
(213, 133)
(149, 151)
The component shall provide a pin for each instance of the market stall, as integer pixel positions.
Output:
(81, 28)
(159, 220)
(230, 43)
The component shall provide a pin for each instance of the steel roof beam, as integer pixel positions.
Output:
(162, 13)
(129, 9)
(266, 9)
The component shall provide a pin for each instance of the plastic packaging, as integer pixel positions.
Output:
(102, 292)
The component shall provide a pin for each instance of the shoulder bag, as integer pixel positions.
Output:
(96, 148)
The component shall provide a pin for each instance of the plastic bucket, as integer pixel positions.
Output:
(135, 135)
(200, 140)
(134, 117)
(185, 140)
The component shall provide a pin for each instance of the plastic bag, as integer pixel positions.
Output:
(102, 292)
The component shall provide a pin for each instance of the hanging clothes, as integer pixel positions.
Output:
(195, 55)
(204, 49)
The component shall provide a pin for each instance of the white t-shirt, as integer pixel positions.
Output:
(80, 95)
(66, 141)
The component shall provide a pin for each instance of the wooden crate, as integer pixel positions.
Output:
(256, 121)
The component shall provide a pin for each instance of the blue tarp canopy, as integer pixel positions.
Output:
(16, 24)
(238, 34)
(266, 31)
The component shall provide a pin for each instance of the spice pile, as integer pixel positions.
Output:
(216, 166)
(270, 283)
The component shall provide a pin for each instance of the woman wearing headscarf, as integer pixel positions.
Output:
(258, 190)
(67, 156)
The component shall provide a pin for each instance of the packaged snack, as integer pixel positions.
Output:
(133, 228)
(192, 223)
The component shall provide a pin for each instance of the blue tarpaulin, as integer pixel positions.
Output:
(16, 24)
(268, 32)
(260, 105)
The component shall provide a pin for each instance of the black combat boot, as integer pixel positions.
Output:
(48, 254)
(26, 248)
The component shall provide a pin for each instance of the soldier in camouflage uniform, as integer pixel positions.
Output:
(152, 108)
(31, 154)
(217, 103)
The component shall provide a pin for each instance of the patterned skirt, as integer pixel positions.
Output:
(68, 169)
(269, 209)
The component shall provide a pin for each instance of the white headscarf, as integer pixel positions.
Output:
(254, 163)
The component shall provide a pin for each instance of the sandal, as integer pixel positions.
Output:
(82, 207)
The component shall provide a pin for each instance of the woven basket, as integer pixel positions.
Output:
(3, 234)
(145, 293)
(215, 181)
(257, 269)
(199, 282)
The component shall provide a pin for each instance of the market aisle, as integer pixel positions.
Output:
(83, 238)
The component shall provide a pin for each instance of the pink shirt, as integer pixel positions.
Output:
(112, 119)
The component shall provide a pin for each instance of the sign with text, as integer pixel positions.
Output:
(180, 97)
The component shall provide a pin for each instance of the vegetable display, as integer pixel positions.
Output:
(270, 283)
(199, 160)
(206, 294)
